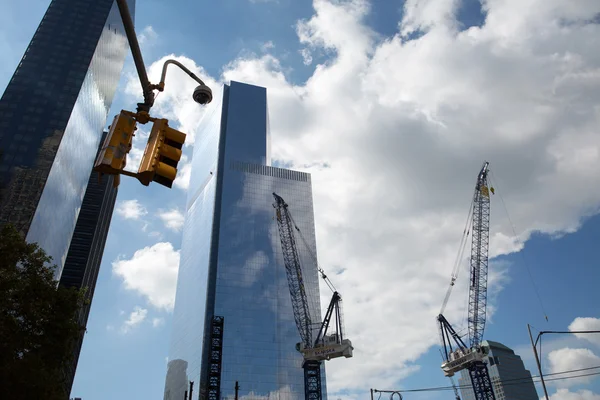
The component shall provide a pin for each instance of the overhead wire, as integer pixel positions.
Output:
(507, 382)
(512, 225)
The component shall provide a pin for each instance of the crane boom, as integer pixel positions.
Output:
(479, 258)
(294, 271)
(324, 346)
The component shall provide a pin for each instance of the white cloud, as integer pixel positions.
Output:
(131, 209)
(147, 35)
(565, 394)
(155, 235)
(137, 316)
(306, 56)
(184, 172)
(569, 359)
(152, 272)
(587, 324)
(266, 46)
(404, 126)
(156, 322)
(173, 219)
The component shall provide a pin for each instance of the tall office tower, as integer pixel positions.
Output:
(510, 379)
(233, 318)
(87, 247)
(52, 115)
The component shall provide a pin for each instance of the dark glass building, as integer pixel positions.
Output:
(87, 246)
(233, 318)
(510, 379)
(52, 115)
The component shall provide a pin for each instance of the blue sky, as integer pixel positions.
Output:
(392, 107)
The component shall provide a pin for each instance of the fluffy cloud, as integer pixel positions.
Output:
(565, 394)
(568, 359)
(152, 272)
(130, 209)
(184, 172)
(403, 124)
(587, 324)
(137, 316)
(173, 219)
(148, 34)
(156, 322)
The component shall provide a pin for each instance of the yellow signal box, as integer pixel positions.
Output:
(112, 157)
(162, 154)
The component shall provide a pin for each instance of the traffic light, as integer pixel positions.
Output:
(112, 156)
(163, 152)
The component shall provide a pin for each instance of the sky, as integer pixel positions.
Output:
(392, 106)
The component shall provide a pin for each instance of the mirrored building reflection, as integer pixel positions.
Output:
(52, 115)
(82, 264)
(233, 318)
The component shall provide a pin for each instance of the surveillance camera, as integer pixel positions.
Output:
(202, 94)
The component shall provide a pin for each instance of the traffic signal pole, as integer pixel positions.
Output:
(163, 151)
(136, 52)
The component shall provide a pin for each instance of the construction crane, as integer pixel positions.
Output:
(324, 346)
(457, 354)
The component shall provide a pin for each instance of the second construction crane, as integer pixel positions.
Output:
(459, 356)
(324, 346)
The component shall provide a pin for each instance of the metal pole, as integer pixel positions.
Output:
(137, 56)
(237, 389)
(371, 394)
(537, 360)
(191, 389)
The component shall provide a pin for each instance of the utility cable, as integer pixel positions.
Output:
(506, 382)
(520, 252)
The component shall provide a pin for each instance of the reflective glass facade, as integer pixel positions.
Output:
(87, 247)
(52, 115)
(510, 379)
(231, 264)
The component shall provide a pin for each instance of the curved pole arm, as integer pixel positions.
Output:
(163, 75)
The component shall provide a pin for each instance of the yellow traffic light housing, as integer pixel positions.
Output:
(162, 154)
(112, 156)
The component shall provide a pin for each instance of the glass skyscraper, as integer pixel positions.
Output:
(233, 319)
(83, 260)
(510, 379)
(52, 116)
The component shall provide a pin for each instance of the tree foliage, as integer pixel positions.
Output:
(38, 325)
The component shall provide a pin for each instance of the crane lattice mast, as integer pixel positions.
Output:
(324, 347)
(458, 355)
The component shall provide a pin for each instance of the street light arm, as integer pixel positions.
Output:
(163, 75)
(137, 55)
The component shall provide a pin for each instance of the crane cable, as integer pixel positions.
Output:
(459, 257)
(314, 257)
(514, 230)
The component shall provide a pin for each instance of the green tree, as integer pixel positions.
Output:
(38, 325)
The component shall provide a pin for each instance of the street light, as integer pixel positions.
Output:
(111, 158)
